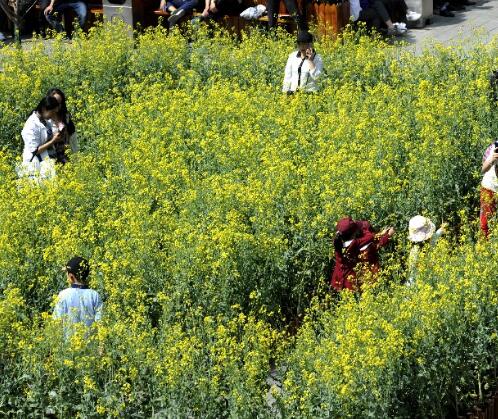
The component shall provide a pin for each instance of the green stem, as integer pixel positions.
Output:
(479, 385)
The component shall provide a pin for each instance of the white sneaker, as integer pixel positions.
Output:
(412, 16)
(400, 28)
(2, 37)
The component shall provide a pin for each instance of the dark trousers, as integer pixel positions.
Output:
(396, 9)
(42, 21)
(272, 7)
(79, 8)
(381, 11)
(187, 5)
(376, 16)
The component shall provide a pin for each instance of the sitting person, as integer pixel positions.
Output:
(56, 8)
(489, 186)
(63, 123)
(178, 9)
(304, 66)
(356, 244)
(217, 8)
(38, 136)
(78, 304)
(272, 7)
(422, 233)
(381, 15)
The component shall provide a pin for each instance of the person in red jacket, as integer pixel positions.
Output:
(356, 245)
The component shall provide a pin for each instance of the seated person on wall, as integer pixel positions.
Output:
(272, 7)
(381, 15)
(216, 8)
(56, 8)
(304, 66)
(178, 9)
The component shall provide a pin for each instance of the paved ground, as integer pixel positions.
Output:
(482, 17)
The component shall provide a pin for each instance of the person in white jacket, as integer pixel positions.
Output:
(38, 136)
(304, 66)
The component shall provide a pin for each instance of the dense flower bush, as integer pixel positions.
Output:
(206, 200)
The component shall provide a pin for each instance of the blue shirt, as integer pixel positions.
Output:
(78, 304)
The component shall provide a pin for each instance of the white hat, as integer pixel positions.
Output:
(420, 229)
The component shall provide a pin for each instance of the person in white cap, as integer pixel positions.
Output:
(421, 231)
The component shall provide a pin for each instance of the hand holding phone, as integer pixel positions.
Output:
(310, 53)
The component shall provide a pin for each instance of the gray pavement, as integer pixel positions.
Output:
(480, 20)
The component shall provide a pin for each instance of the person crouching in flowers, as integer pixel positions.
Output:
(422, 233)
(356, 245)
(78, 303)
(489, 186)
(304, 66)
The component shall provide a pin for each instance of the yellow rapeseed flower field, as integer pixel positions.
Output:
(206, 200)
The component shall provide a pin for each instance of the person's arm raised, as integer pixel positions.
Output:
(489, 162)
(316, 69)
(55, 139)
(384, 236)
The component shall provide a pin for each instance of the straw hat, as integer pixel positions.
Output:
(420, 229)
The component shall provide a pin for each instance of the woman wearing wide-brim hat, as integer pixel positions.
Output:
(421, 232)
(355, 245)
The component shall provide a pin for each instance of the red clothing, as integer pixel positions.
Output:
(364, 249)
(488, 208)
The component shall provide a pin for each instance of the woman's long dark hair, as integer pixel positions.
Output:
(49, 103)
(63, 113)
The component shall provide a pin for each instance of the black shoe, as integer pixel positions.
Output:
(175, 17)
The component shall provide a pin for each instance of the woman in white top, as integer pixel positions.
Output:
(37, 133)
(304, 66)
(489, 186)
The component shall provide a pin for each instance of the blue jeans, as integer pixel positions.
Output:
(187, 5)
(78, 7)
